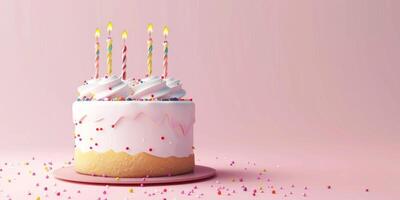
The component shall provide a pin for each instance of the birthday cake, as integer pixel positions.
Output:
(133, 127)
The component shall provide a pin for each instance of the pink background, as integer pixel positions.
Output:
(311, 85)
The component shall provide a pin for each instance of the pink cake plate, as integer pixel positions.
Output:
(69, 174)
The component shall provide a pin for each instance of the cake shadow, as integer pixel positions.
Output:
(250, 175)
(220, 175)
(235, 175)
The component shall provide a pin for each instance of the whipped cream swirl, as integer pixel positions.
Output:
(176, 88)
(158, 88)
(104, 88)
(111, 88)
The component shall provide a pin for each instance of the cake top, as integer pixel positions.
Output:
(119, 88)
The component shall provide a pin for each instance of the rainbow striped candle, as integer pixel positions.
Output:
(124, 50)
(165, 50)
(149, 50)
(109, 49)
(97, 52)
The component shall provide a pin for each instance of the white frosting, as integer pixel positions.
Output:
(165, 127)
(158, 88)
(147, 88)
(176, 89)
(106, 87)
(152, 86)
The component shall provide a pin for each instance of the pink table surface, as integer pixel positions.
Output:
(254, 176)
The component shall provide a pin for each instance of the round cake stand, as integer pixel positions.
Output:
(69, 174)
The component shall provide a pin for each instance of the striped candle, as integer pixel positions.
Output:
(165, 50)
(109, 49)
(124, 50)
(97, 52)
(149, 50)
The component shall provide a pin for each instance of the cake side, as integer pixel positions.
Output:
(157, 135)
(121, 164)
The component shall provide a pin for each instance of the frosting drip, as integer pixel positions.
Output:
(165, 127)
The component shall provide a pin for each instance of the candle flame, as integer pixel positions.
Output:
(109, 27)
(97, 33)
(165, 31)
(124, 35)
(150, 28)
